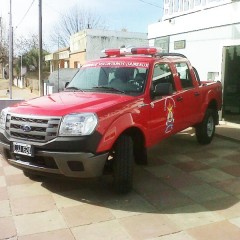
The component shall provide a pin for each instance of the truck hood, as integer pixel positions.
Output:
(60, 104)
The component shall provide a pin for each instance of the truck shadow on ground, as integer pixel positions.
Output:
(181, 177)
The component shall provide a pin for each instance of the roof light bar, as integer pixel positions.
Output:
(129, 51)
(112, 52)
(150, 50)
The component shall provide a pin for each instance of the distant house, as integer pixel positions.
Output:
(84, 46)
(58, 59)
(88, 44)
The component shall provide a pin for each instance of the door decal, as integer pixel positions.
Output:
(169, 109)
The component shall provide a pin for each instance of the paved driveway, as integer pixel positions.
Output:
(186, 192)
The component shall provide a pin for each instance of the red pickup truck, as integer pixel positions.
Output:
(109, 114)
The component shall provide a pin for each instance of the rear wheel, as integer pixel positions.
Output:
(206, 129)
(123, 164)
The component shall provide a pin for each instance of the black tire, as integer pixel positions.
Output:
(140, 155)
(123, 164)
(206, 129)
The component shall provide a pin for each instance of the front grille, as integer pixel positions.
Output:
(33, 128)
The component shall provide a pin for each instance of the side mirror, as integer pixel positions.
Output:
(66, 84)
(163, 89)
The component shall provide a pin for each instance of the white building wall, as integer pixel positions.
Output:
(78, 42)
(93, 41)
(204, 48)
(214, 17)
(205, 33)
(173, 8)
(97, 40)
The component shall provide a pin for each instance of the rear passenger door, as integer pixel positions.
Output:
(191, 95)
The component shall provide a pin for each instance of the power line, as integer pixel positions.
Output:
(25, 14)
(152, 4)
(53, 9)
(64, 15)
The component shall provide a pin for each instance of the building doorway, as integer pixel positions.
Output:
(231, 84)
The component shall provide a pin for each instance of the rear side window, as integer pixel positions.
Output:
(184, 75)
(162, 74)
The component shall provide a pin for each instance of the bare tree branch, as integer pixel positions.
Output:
(74, 21)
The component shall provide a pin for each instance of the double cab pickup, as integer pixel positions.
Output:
(114, 109)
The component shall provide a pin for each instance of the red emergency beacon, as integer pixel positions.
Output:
(131, 51)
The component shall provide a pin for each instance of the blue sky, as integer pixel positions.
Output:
(134, 15)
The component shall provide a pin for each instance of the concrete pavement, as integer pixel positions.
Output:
(17, 93)
(187, 192)
(228, 130)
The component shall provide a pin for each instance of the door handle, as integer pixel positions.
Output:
(179, 99)
(196, 94)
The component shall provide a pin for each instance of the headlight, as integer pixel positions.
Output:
(3, 117)
(78, 124)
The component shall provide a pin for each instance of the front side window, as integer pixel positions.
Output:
(184, 75)
(116, 76)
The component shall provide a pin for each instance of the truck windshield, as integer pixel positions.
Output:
(129, 78)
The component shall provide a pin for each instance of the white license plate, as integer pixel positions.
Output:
(23, 149)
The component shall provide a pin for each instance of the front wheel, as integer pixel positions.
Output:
(123, 164)
(206, 129)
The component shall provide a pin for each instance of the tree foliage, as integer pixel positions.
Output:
(3, 43)
(73, 21)
(27, 48)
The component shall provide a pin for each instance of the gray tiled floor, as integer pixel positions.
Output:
(187, 192)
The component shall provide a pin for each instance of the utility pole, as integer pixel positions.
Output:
(41, 90)
(21, 68)
(1, 50)
(1, 33)
(58, 63)
(10, 51)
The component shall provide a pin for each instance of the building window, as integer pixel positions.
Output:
(66, 64)
(213, 76)
(186, 5)
(179, 44)
(162, 43)
(197, 2)
(77, 64)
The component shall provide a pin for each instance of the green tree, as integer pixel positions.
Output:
(3, 45)
(27, 48)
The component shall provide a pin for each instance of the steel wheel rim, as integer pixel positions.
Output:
(210, 126)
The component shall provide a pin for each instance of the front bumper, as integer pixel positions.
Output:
(70, 164)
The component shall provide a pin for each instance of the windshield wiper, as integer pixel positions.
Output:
(73, 88)
(110, 88)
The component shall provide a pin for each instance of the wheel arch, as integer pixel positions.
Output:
(123, 125)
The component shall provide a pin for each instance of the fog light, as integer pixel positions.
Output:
(75, 166)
